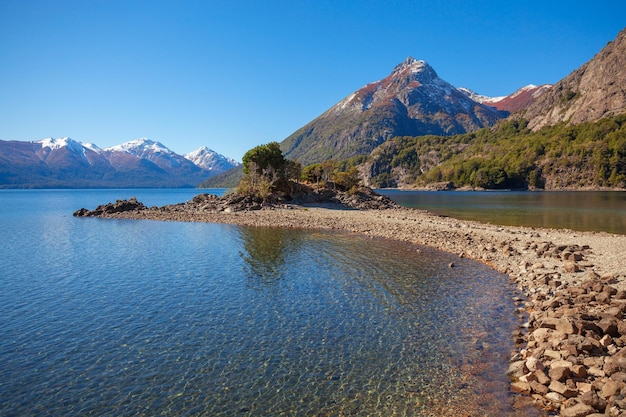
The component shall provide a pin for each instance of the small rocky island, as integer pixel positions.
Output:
(361, 199)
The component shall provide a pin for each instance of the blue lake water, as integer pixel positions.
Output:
(142, 318)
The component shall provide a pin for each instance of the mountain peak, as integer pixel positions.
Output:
(414, 66)
(58, 143)
(210, 160)
(410, 62)
(411, 101)
(140, 147)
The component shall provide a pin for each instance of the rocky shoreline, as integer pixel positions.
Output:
(571, 356)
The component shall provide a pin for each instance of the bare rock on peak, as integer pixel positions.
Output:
(597, 89)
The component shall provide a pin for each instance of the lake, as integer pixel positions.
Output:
(577, 210)
(102, 317)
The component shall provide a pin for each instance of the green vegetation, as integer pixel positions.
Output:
(509, 156)
(267, 174)
(265, 171)
(264, 158)
(343, 176)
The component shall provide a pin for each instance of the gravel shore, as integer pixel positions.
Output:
(572, 348)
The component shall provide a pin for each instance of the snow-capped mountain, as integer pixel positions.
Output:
(479, 97)
(148, 150)
(64, 162)
(518, 100)
(411, 101)
(210, 160)
(54, 144)
(142, 148)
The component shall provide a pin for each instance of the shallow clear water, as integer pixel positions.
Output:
(142, 318)
(601, 211)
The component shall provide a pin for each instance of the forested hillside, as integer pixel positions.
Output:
(509, 156)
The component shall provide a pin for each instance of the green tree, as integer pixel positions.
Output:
(348, 180)
(266, 158)
(264, 168)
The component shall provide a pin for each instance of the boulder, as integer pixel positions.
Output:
(578, 371)
(577, 410)
(614, 364)
(611, 388)
(603, 298)
(516, 369)
(119, 206)
(571, 266)
(520, 387)
(560, 373)
(534, 364)
(538, 388)
(562, 389)
(592, 399)
(541, 377)
(555, 397)
(609, 326)
(562, 325)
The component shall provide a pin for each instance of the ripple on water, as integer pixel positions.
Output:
(132, 318)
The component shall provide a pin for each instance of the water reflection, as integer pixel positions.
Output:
(361, 325)
(265, 251)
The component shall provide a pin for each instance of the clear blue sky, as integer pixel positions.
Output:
(234, 74)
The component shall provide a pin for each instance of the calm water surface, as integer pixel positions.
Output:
(142, 318)
(579, 210)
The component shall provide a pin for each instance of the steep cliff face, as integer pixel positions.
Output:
(411, 101)
(597, 89)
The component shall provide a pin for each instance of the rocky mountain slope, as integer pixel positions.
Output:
(568, 136)
(67, 163)
(411, 101)
(597, 89)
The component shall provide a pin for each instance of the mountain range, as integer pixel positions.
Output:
(64, 162)
(573, 130)
(412, 101)
(571, 135)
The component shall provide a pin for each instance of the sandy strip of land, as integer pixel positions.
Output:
(506, 248)
(572, 349)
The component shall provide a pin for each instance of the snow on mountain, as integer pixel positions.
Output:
(516, 101)
(479, 97)
(142, 148)
(56, 144)
(63, 148)
(411, 101)
(210, 160)
(92, 147)
(64, 162)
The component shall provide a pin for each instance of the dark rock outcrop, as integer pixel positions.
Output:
(362, 199)
(119, 206)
